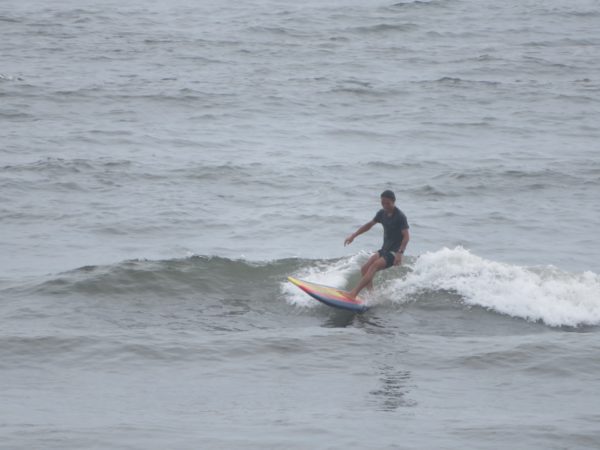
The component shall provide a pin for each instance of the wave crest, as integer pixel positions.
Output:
(544, 294)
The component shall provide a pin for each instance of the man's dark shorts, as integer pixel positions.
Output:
(388, 256)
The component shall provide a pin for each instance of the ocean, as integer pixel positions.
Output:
(165, 166)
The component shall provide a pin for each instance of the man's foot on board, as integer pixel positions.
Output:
(351, 295)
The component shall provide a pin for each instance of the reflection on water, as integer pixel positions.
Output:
(372, 324)
(394, 389)
(340, 319)
(394, 384)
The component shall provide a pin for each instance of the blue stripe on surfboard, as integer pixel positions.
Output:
(339, 304)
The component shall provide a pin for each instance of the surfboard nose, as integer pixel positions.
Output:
(330, 295)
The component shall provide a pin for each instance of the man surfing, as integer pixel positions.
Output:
(395, 240)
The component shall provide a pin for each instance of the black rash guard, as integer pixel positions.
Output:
(393, 225)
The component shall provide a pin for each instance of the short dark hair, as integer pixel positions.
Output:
(389, 194)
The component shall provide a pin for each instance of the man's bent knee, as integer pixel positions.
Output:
(366, 266)
(379, 264)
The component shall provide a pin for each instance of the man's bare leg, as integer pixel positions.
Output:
(367, 278)
(365, 268)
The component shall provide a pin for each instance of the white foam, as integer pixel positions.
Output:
(335, 274)
(547, 294)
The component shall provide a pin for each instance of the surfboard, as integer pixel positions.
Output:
(330, 296)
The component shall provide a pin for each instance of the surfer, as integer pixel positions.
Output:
(395, 240)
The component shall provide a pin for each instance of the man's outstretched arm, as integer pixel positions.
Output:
(366, 227)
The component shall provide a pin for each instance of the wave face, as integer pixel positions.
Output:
(206, 334)
(543, 294)
(432, 280)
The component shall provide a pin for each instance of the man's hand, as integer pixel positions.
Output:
(366, 227)
(398, 259)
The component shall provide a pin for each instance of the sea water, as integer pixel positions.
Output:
(164, 168)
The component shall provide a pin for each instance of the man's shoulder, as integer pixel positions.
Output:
(399, 212)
